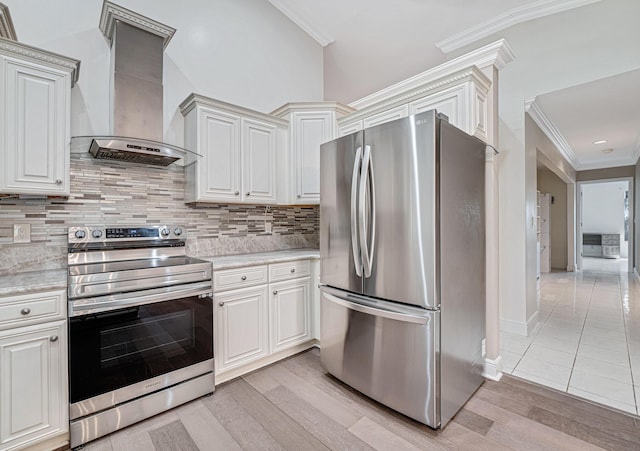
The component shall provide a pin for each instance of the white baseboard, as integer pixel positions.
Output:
(493, 368)
(520, 328)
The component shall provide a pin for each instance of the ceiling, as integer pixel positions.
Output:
(602, 109)
(606, 109)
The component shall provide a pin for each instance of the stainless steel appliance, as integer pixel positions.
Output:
(140, 326)
(402, 248)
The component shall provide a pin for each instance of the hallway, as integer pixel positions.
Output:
(588, 340)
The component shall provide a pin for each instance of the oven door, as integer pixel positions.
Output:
(120, 354)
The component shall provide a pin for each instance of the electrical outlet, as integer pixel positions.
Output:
(22, 233)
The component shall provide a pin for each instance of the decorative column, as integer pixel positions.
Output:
(493, 359)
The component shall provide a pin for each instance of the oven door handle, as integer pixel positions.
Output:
(89, 306)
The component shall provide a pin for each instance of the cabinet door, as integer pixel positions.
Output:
(449, 102)
(34, 128)
(242, 327)
(219, 167)
(290, 313)
(33, 384)
(259, 143)
(386, 116)
(310, 130)
(347, 128)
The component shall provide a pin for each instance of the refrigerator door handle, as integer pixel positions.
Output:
(355, 249)
(367, 177)
(405, 317)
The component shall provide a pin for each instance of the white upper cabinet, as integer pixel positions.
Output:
(461, 96)
(310, 125)
(35, 104)
(239, 149)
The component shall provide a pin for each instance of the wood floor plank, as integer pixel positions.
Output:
(290, 434)
(240, 424)
(172, 437)
(205, 429)
(261, 380)
(341, 412)
(473, 421)
(379, 437)
(592, 434)
(514, 430)
(464, 438)
(573, 410)
(328, 431)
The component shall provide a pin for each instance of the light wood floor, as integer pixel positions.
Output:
(296, 405)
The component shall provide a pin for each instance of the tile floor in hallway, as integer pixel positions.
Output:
(588, 340)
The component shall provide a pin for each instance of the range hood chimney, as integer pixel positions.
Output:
(136, 103)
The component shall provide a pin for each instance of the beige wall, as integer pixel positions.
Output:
(607, 173)
(550, 183)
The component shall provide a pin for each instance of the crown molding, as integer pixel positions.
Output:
(606, 164)
(294, 107)
(112, 12)
(197, 100)
(285, 8)
(7, 30)
(42, 56)
(551, 131)
(496, 54)
(507, 19)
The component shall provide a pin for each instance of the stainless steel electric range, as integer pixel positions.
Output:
(140, 326)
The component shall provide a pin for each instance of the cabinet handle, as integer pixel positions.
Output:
(299, 196)
(25, 311)
(275, 292)
(221, 304)
(293, 269)
(244, 277)
(58, 182)
(53, 339)
(237, 193)
(248, 193)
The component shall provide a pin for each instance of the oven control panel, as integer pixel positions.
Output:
(114, 234)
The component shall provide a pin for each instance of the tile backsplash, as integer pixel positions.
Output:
(115, 193)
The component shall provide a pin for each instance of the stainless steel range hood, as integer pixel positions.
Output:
(136, 103)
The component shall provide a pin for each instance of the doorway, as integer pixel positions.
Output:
(604, 226)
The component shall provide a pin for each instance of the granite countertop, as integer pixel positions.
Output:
(34, 281)
(262, 258)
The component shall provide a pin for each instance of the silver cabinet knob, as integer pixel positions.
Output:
(53, 338)
(244, 277)
(237, 193)
(25, 311)
(221, 304)
(275, 292)
(58, 182)
(293, 269)
(299, 196)
(248, 193)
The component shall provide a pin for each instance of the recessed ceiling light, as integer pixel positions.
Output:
(609, 150)
(602, 141)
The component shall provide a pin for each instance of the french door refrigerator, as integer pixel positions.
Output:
(402, 248)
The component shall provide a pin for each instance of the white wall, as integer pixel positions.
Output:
(243, 52)
(603, 210)
(555, 52)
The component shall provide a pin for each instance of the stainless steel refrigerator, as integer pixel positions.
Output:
(402, 248)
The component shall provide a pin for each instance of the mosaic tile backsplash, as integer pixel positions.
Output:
(115, 193)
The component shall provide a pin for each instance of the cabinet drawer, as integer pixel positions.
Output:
(31, 308)
(227, 279)
(288, 270)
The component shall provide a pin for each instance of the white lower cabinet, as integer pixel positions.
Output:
(262, 319)
(289, 306)
(242, 327)
(33, 384)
